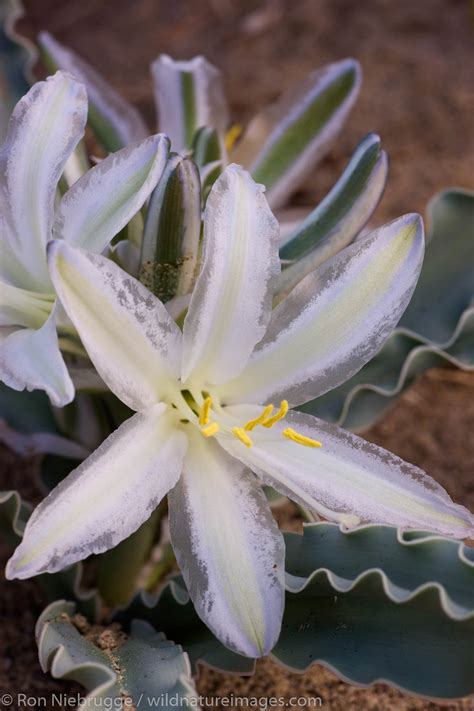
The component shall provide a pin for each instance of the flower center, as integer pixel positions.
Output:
(267, 418)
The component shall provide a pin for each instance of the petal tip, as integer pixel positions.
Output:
(13, 569)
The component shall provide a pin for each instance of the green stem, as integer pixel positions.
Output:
(120, 567)
(165, 565)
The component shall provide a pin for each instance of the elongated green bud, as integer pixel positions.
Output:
(172, 230)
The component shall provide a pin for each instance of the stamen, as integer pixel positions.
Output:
(260, 420)
(231, 136)
(204, 414)
(278, 415)
(290, 433)
(241, 434)
(211, 429)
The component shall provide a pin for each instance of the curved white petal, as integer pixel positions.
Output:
(347, 478)
(106, 198)
(231, 302)
(336, 319)
(188, 95)
(12, 269)
(229, 548)
(45, 127)
(130, 337)
(106, 498)
(110, 112)
(31, 359)
(20, 307)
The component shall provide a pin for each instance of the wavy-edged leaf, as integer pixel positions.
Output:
(27, 412)
(337, 220)
(283, 143)
(115, 122)
(365, 637)
(172, 229)
(374, 604)
(143, 668)
(17, 55)
(447, 270)
(14, 514)
(433, 330)
(408, 561)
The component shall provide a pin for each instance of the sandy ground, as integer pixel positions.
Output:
(418, 96)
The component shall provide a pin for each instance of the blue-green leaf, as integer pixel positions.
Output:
(115, 122)
(283, 143)
(376, 604)
(188, 95)
(143, 668)
(28, 425)
(338, 219)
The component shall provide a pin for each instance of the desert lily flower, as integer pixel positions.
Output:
(45, 128)
(206, 417)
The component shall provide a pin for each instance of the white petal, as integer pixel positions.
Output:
(31, 359)
(20, 307)
(44, 129)
(106, 498)
(105, 199)
(12, 269)
(110, 112)
(188, 96)
(229, 548)
(347, 478)
(336, 319)
(129, 335)
(231, 302)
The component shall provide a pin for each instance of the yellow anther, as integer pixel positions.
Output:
(204, 414)
(232, 135)
(241, 434)
(260, 420)
(278, 415)
(290, 433)
(211, 429)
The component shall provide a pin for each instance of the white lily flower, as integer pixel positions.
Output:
(45, 128)
(205, 419)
